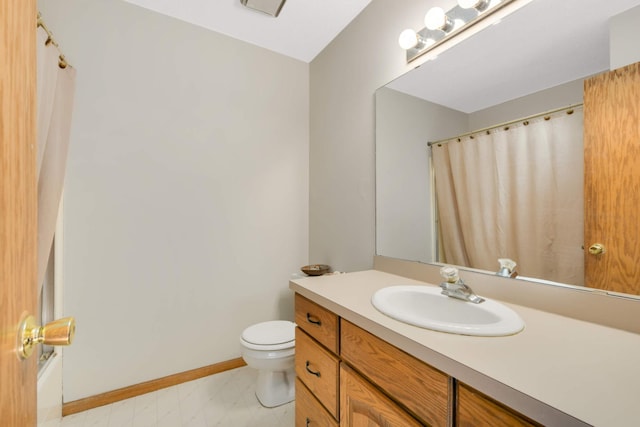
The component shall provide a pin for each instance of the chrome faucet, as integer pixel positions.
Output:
(507, 268)
(454, 287)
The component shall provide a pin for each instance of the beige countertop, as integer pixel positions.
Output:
(558, 371)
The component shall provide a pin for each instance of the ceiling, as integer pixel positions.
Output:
(541, 45)
(301, 31)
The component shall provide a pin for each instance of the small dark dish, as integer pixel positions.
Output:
(315, 269)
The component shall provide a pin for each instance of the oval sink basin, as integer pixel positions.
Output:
(426, 307)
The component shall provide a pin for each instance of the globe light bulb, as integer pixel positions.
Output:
(408, 39)
(436, 19)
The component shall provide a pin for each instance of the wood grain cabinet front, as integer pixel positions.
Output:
(420, 388)
(317, 364)
(474, 409)
(318, 369)
(318, 322)
(362, 405)
(347, 374)
(309, 412)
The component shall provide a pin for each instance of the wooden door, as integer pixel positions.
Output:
(17, 206)
(362, 405)
(612, 179)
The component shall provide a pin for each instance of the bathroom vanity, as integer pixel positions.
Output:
(355, 365)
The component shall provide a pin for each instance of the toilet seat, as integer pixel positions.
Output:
(269, 336)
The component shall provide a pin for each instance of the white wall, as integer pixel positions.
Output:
(556, 97)
(404, 208)
(186, 206)
(344, 77)
(623, 38)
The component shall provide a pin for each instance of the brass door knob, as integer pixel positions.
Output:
(596, 249)
(58, 332)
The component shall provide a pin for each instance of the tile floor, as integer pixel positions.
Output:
(225, 400)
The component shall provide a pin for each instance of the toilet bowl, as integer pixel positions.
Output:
(269, 347)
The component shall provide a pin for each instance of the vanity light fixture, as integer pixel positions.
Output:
(441, 26)
(409, 39)
(479, 5)
(270, 7)
(436, 19)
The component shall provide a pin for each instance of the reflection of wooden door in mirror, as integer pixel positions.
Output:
(612, 179)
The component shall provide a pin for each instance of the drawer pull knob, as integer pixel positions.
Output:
(317, 374)
(313, 320)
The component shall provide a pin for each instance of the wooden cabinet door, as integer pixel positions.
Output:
(612, 179)
(423, 390)
(474, 409)
(362, 405)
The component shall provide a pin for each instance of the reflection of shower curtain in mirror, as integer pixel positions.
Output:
(516, 193)
(56, 88)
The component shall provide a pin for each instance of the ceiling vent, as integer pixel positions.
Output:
(270, 7)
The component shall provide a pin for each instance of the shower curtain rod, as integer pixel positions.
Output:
(569, 110)
(62, 62)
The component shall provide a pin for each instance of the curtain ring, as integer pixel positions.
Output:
(547, 117)
(526, 123)
(62, 63)
(570, 112)
(48, 41)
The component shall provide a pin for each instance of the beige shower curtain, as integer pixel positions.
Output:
(514, 192)
(55, 91)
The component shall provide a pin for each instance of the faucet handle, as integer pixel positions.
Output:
(507, 263)
(450, 274)
(507, 267)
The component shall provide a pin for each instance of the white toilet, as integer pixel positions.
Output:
(269, 347)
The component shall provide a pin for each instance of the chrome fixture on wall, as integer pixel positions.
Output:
(441, 26)
(270, 7)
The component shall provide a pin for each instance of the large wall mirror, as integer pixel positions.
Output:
(535, 61)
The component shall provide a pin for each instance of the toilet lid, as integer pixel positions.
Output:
(270, 333)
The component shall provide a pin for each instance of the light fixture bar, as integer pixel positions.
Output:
(455, 21)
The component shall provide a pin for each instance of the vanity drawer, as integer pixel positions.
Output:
(421, 389)
(474, 409)
(318, 369)
(318, 322)
(309, 412)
